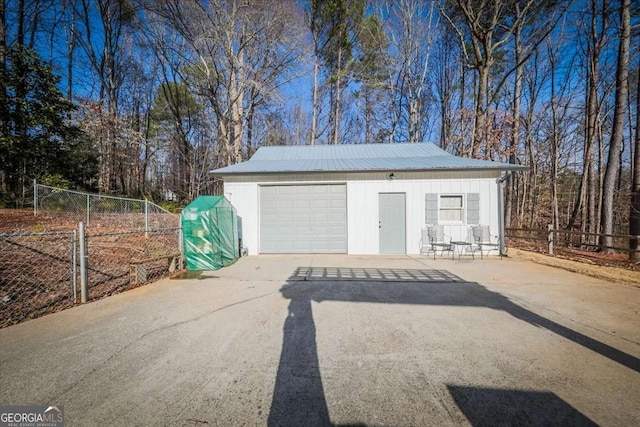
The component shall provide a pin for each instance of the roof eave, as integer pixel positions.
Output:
(513, 168)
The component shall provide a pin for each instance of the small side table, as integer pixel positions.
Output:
(460, 246)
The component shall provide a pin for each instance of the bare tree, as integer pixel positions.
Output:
(615, 145)
(101, 35)
(596, 41)
(487, 29)
(447, 83)
(410, 29)
(371, 72)
(236, 55)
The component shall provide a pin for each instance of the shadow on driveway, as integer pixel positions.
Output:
(299, 399)
(490, 407)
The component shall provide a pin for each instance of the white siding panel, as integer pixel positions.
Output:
(244, 197)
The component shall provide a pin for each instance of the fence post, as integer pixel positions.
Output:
(550, 238)
(501, 213)
(146, 218)
(88, 206)
(83, 262)
(35, 198)
(74, 262)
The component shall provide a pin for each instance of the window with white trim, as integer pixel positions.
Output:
(451, 208)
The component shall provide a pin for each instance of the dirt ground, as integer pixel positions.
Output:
(577, 265)
(616, 260)
(23, 220)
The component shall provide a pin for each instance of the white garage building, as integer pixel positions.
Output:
(360, 199)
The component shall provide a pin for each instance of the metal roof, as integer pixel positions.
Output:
(358, 158)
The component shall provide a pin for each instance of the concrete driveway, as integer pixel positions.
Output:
(317, 340)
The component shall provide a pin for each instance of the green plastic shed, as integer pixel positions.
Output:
(209, 233)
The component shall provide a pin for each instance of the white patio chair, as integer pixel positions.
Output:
(437, 240)
(425, 244)
(472, 246)
(483, 240)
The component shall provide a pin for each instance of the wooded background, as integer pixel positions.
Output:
(144, 97)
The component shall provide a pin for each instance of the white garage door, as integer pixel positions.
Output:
(303, 219)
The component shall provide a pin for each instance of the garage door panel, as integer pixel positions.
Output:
(303, 204)
(268, 193)
(283, 190)
(271, 232)
(319, 189)
(285, 204)
(270, 217)
(302, 232)
(285, 217)
(321, 203)
(303, 219)
(338, 204)
(285, 232)
(321, 217)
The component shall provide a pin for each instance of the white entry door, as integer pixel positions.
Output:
(391, 223)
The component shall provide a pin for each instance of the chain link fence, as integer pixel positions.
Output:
(44, 272)
(37, 274)
(121, 261)
(41, 273)
(108, 213)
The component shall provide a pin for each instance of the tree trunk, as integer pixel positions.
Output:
(584, 205)
(634, 207)
(237, 113)
(515, 138)
(250, 120)
(4, 128)
(21, 91)
(413, 119)
(615, 146)
(315, 106)
(337, 100)
(554, 169)
(71, 43)
(367, 114)
(479, 130)
(554, 144)
(463, 127)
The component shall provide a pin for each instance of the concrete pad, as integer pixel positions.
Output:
(282, 340)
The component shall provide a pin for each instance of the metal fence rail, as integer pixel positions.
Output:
(124, 260)
(37, 274)
(570, 239)
(101, 211)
